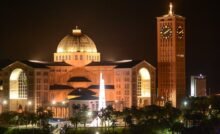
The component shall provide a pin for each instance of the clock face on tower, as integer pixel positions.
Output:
(166, 32)
(179, 32)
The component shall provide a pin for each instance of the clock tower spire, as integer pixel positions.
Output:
(171, 57)
(171, 9)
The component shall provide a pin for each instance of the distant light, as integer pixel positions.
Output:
(89, 113)
(185, 103)
(124, 61)
(37, 61)
(29, 103)
(171, 9)
(54, 102)
(5, 102)
(96, 132)
(63, 102)
(76, 31)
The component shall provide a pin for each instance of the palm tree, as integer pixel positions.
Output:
(43, 115)
(75, 120)
(84, 114)
(127, 117)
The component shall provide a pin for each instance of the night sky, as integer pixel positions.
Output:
(121, 29)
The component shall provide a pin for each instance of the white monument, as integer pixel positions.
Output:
(102, 102)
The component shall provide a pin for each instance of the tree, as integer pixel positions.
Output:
(75, 120)
(84, 114)
(127, 116)
(43, 115)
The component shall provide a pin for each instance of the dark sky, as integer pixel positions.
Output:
(121, 29)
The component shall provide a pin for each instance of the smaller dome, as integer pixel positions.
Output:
(76, 42)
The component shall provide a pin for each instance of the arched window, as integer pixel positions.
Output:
(143, 87)
(18, 84)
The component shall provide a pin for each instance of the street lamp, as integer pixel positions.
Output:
(54, 102)
(5, 102)
(89, 113)
(63, 102)
(29, 104)
(185, 103)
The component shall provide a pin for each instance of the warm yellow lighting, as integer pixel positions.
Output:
(54, 102)
(14, 86)
(15, 74)
(144, 74)
(145, 82)
(63, 102)
(5, 102)
(76, 31)
(29, 103)
(89, 113)
(171, 9)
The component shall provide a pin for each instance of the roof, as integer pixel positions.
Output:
(58, 64)
(76, 42)
(85, 97)
(128, 64)
(117, 64)
(34, 64)
(78, 79)
(82, 92)
(97, 87)
(103, 63)
(174, 15)
(4, 63)
(59, 86)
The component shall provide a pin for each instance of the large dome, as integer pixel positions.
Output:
(76, 42)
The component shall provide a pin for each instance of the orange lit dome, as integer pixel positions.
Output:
(76, 42)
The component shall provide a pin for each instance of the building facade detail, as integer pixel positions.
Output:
(171, 57)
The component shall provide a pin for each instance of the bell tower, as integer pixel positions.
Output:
(171, 57)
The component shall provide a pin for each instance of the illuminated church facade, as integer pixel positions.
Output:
(73, 78)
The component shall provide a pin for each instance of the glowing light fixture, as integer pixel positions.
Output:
(5, 102)
(102, 102)
(29, 103)
(54, 102)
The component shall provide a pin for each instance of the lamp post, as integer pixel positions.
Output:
(63, 109)
(53, 104)
(4, 103)
(29, 105)
(185, 103)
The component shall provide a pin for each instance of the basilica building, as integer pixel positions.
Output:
(73, 79)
